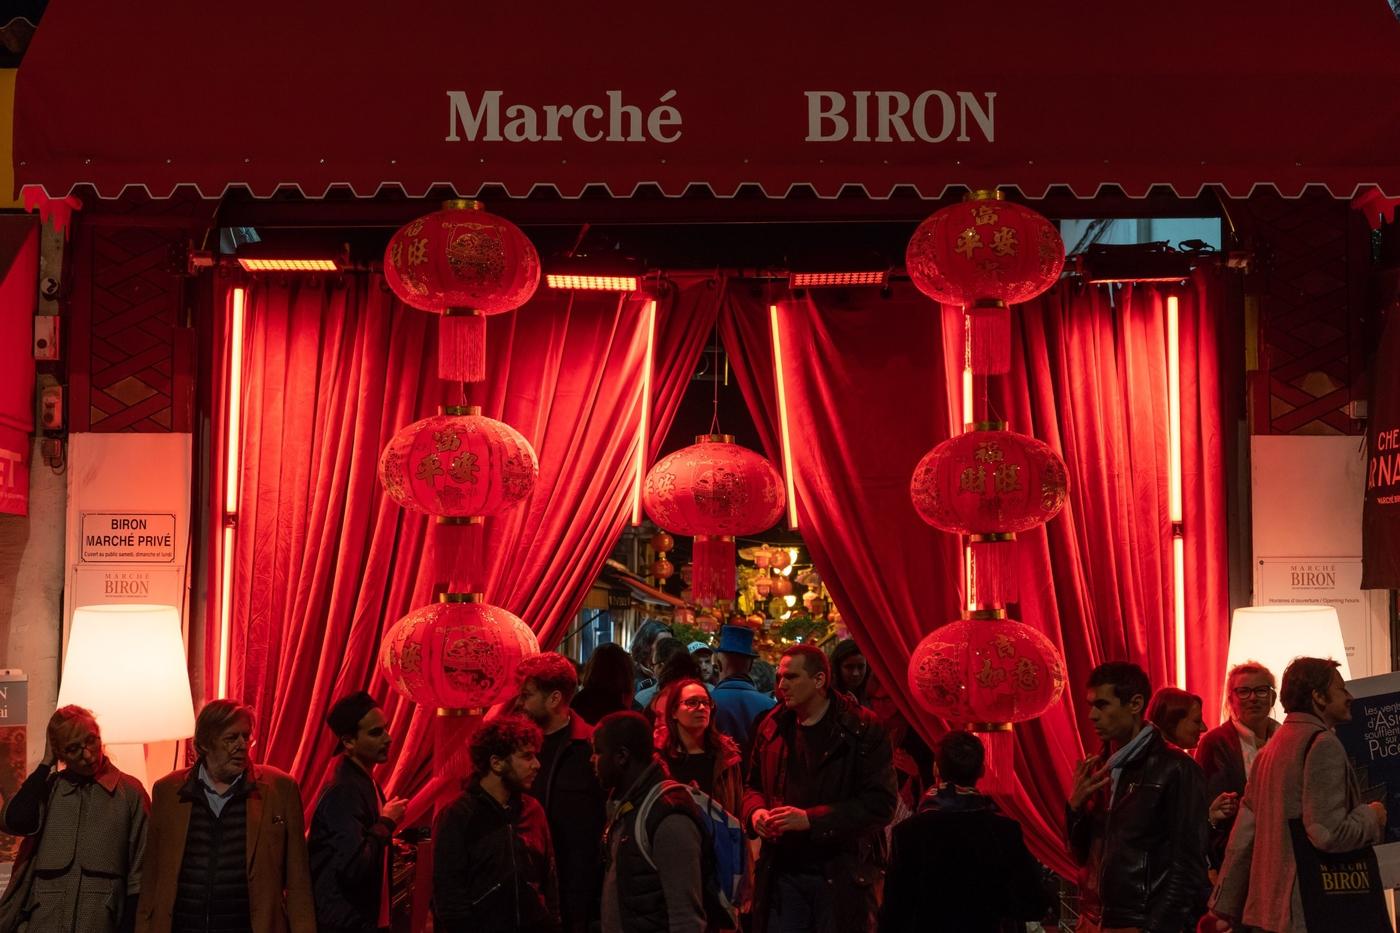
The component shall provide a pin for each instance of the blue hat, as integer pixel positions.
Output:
(736, 639)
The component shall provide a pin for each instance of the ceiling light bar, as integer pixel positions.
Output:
(836, 279)
(593, 283)
(288, 265)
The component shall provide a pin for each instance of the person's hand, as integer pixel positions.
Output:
(789, 819)
(762, 824)
(1380, 810)
(1089, 777)
(49, 758)
(1224, 807)
(1213, 923)
(394, 809)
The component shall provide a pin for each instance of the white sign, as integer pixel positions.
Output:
(128, 537)
(1320, 581)
(107, 586)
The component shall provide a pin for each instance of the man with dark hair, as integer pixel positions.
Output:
(738, 701)
(78, 869)
(493, 865)
(659, 889)
(1302, 772)
(566, 787)
(1136, 819)
(226, 848)
(667, 647)
(352, 826)
(820, 791)
(960, 853)
(1227, 753)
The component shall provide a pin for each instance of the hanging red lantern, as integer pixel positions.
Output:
(714, 490)
(662, 543)
(780, 559)
(462, 263)
(457, 465)
(989, 481)
(763, 585)
(459, 653)
(984, 253)
(985, 672)
(782, 586)
(661, 568)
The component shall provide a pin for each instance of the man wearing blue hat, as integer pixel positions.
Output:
(737, 701)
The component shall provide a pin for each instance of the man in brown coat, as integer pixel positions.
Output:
(226, 849)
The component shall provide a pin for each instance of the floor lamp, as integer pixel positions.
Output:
(1275, 635)
(127, 664)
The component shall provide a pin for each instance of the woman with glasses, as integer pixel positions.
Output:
(79, 867)
(694, 750)
(1226, 753)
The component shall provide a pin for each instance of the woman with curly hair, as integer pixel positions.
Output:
(694, 750)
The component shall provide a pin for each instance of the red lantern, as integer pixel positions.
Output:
(988, 482)
(460, 653)
(781, 558)
(714, 490)
(782, 586)
(763, 585)
(462, 263)
(661, 568)
(458, 464)
(984, 253)
(662, 543)
(986, 673)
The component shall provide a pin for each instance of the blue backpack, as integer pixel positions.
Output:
(725, 852)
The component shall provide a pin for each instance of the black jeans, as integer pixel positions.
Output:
(801, 904)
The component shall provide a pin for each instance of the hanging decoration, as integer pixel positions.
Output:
(456, 654)
(714, 490)
(462, 263)
(983, 254)
(458, 465)
(661, 568)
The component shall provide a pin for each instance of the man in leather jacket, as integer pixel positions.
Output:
(1136, 819)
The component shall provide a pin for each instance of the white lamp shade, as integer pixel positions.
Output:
(127, 665)
(1275, 635)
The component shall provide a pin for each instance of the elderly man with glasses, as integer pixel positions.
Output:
(1226, 753)
(226, 850)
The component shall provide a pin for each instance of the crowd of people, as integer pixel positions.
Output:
(671, 792)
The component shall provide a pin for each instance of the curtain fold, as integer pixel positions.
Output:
(326, 562)
(873, 384)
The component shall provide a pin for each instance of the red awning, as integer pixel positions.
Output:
(315, 93)
(19, 276)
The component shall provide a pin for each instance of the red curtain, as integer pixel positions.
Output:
(868, 384)
(325, 562)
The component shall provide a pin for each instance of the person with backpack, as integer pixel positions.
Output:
(659, 888)
(694, 750)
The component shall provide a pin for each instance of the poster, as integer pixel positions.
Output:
(1327, 581)
(1372, 741)
(14, 748)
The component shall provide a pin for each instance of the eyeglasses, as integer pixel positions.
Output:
(232, 742)
(697, 703)
(1244, 693)
(74, 748)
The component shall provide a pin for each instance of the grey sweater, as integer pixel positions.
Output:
(676, 850)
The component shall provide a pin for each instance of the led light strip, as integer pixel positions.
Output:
(1174, 508)
(783, 417)
(644, 427)
(233, 440)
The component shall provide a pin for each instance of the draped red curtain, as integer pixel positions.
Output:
(325, 562)
(868, 383)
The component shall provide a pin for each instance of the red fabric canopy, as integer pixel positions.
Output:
(781, 94)
(19, 269)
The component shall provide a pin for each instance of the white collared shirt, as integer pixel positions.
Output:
(1249, 746)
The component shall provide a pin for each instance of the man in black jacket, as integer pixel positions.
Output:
(820, 791)
(1136, 819)
(352, 826)
(567, 787)
(493, 864)
(959, 853)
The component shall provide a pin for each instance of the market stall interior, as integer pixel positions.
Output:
(451, 409)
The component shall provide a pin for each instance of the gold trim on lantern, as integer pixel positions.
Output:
(984, 194)
(474, 711)
(992, 538)
(989, 727)
(452, 520)
(462, 204)
(714, 438)
(984, 615)
(461, 598)
(985, 426)
(463, 312)
(989, 303)
(460, 409)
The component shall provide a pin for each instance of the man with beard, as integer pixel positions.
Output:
(1136, 819)
(353, 825)
(1227, 753)
(493, 864)
(566, 787)
(226, 849)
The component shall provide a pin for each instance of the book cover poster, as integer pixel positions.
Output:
(1372, 740)
(14, 752)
